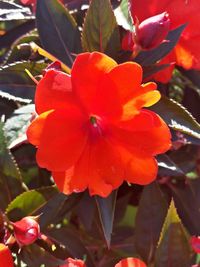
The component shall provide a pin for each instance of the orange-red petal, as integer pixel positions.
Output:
(141, 169)
(127, 77)
(103, 166)
(6, 259)
(96, 92)
(61, 138)
(131, 262)
(53, 91)
(145, 96)
(99, 169)
(36, 127)
(153, 138)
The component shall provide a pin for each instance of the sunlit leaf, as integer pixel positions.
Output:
(11, 11)
(168, 167)
(15, 81)
(10, 177)
(123, 16)
(58, 30)
(100, 31)
(30, 202)
(177, 117)
(16, 126)
(173, 247)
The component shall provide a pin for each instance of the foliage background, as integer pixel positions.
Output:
(134, 221)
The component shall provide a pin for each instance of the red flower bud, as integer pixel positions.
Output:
(73, 263)
(195, 243)
(6, 259)
(152, 31)
(28, 2)
(131, 262)
(26, 231)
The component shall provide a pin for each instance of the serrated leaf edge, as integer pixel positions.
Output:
(183, 128)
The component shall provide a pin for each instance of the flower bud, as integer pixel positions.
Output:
(6, 259)
(195, 243)
(152, 31)
(26, 231)
(28, 2)
(130, 262)
(73, 263)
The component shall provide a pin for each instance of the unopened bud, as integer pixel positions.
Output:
(26, 231)
(195, 243)
(73, 263)
(6, 259)
(148, 34)
(152, 31)
(56, 65)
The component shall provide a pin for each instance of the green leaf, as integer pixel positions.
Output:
(15, 81)
(150, 57)
(123, 16)
(173, 247)
(11, 11)
(20, 49)
(69, 239)
(16, 126)
(36, 256)
(30, 202)
(100, 30)
(185, 197)
(150, 217)
(58, 30)
(167, 167)
(56, 208)
(177, 117)
(10, 177)
(106, 209)
(15, 72)
(16, 99)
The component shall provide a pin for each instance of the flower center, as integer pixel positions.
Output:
(93, 121)
(96, 126)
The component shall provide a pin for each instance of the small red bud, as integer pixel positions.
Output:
(26, 231)
(28, 2)
(148, 34)
(152, 31)
(6, 259)
(195, 243)
(73, 263)
(56, 65)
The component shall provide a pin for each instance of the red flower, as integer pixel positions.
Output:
(195, 243)
(187, 51)
(6, 259)
(148, 34)
(26, 231)
(73, 263)
(92, 132)
(131, 262)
